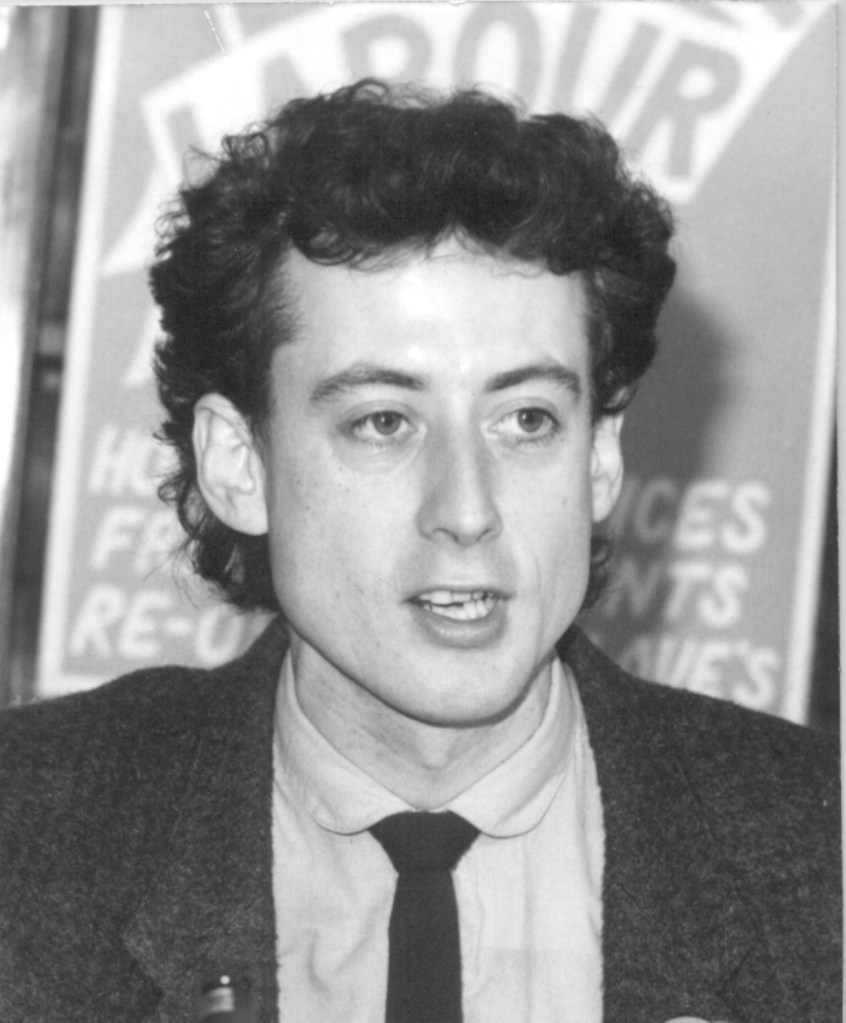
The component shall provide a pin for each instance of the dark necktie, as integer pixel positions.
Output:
(424, 959)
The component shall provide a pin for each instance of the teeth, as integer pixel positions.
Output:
(460, 606)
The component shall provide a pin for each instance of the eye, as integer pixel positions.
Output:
(385, 423)
(380, 426)
(528, 425)
(532, 420)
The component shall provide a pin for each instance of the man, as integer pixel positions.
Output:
(400, 333)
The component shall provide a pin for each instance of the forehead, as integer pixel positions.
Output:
(453, 308)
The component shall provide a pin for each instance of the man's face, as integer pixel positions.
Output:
(431, 477)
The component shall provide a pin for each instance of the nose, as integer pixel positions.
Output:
(459, 503)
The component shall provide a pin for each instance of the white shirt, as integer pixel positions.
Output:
(529, 890)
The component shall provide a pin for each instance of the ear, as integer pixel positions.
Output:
(606, 465)
(230, 471)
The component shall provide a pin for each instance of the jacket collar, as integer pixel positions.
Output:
(677, 938)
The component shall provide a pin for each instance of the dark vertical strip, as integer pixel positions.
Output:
(52, 54)
(825, 673)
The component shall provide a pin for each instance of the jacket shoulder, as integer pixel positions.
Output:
(142, 708)
(102, 724)
(109, 764)
(724, 734)
(83, 777)
(769, 789)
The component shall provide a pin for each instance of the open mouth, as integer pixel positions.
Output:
(458, 605)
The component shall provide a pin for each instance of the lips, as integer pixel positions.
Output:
(458, 605)
(470, 616)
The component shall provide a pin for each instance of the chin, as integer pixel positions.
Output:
(449, 712)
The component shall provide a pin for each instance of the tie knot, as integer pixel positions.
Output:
(418, 842)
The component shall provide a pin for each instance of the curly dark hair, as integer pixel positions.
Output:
(363, 174)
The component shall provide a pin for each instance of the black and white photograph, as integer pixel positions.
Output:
(419, 596)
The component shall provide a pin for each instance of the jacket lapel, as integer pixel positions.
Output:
(209, 908)
(677, 937)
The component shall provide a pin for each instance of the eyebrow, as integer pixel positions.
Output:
(369, 374)
(560, 375)
(363, 375)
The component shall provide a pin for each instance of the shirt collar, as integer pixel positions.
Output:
(509, 800)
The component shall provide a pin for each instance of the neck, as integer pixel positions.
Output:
(423, 763)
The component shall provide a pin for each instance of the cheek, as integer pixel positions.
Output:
(327, 539)
(555, 532)
(298, 521)
(552, 508)
(303, 493)
(562, 554)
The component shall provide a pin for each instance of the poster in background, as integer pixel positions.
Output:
(727, 107)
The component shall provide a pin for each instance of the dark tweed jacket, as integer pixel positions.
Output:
(135, 849)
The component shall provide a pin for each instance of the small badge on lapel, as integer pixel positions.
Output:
(226, 997)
